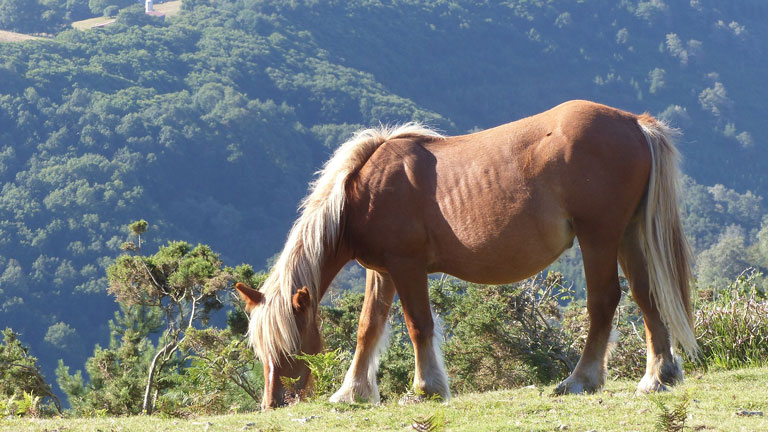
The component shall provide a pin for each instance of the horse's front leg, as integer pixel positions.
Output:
(429, 377)
(360, 380)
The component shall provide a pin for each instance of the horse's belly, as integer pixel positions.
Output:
(501, 248)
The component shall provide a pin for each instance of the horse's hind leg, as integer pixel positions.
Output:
(662, 366)
(429, 377)
(360, 380)
(603, 295)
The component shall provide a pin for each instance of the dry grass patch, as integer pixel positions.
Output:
(8, 36)
(170, 8)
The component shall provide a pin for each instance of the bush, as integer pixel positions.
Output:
(327, 369)
(495, 336)
(504, 336)
(223, 376)
(23, 389)
(732, 324)
(111, 11)
(118, 372)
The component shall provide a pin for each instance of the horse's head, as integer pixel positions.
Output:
(281, 363)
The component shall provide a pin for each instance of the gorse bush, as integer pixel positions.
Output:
(494, 336)
(117, 372)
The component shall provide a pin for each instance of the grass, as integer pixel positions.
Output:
(90, 22)
(170, 9)
(715, 398)
(8, 36)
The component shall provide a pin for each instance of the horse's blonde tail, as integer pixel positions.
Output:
(662, 239)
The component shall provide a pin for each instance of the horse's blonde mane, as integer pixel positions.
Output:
(272, 331)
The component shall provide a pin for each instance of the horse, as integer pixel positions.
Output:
(491, 207)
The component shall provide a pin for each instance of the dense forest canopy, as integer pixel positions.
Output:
(210, 124)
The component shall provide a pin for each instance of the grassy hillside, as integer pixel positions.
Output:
(715, 400)
(8, 36)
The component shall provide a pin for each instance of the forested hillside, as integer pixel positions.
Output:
(211, 123)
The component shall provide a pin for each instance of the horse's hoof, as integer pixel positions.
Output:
(343, 396)
(650, 384)
(412, 398)
(349, 396)
(575, 386)
(565, 388)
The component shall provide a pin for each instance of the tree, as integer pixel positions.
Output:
(19, 15)
(118, 372)
(724, 261)
(98, 6)
(182, 281)
(220, 377)
(20, 373)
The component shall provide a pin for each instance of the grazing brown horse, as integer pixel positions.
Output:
(492, 207)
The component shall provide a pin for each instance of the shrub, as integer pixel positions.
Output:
(23, 389)
(495, 336)
(117, 372)
(732, 324)
(506, 335)
(222, 376)
(396, 363)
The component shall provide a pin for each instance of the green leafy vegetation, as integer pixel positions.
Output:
(327, 370)
(732, 326)
(167, 294)
(672, 420)
(504, 336)
(22, 385)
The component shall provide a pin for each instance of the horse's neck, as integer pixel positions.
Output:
(332, 264)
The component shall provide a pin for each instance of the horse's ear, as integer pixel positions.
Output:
(301, 299)
(250, 296)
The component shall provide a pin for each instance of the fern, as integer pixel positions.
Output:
(326, 368)
(435, 422)
(672, 420)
